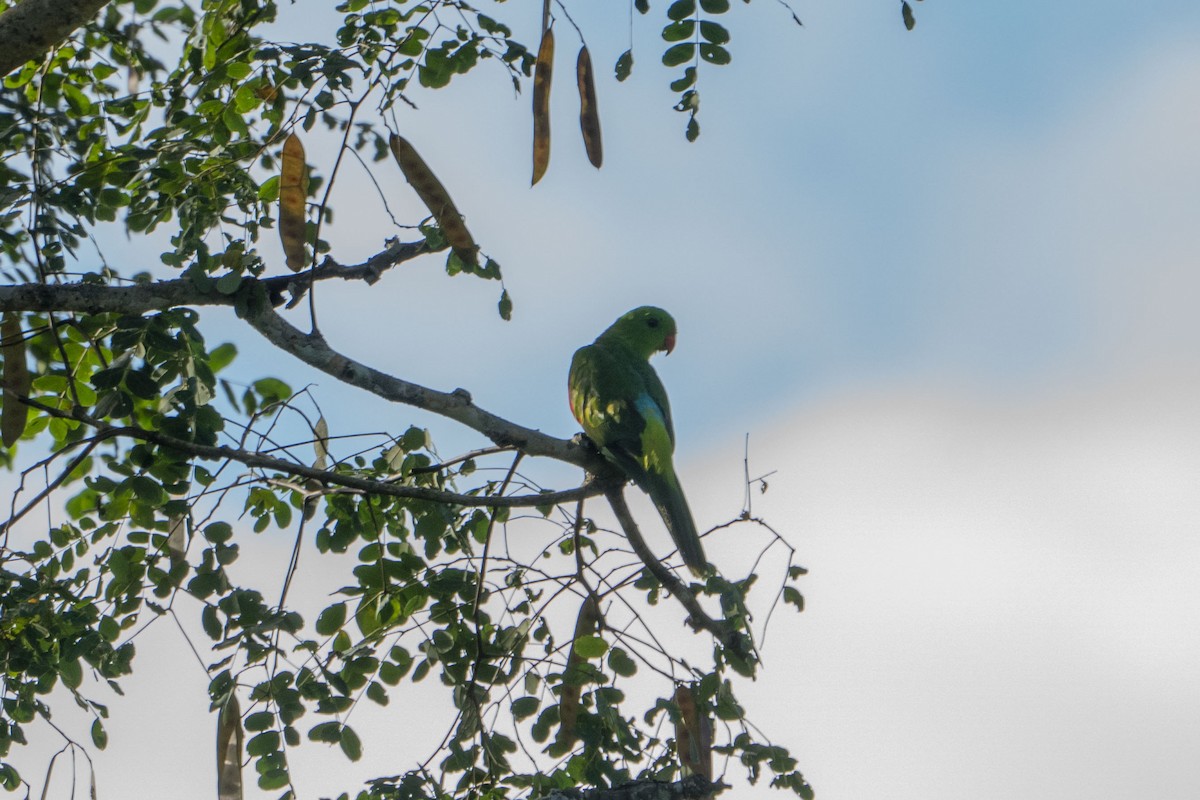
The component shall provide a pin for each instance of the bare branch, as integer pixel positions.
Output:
(312, 349)
(32, 27)
(699, 618)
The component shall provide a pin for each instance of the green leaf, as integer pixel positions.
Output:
(376, 693)
(109, 629)
(211, 623)
(910, 21)
(715, 54)
(273, 779)
(624, 65)
(268, 190)
(505, 306)
(238, 70)
(620, 663)
(678, 31)
(681, 9)
(263, 743)
(71, 672)
(351, 744)
(258, 721)
(678, 54)
(686, 82)
(590, 646)
(218, 532)
(792, 595)
(524, 707)
(222, 356)
(331, 619)
(99, 735)
(714, 6)
(714, 32)
(328, 732)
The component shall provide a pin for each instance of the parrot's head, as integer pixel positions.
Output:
(645, 330)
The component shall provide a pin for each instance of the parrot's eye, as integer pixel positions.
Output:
(652, 322)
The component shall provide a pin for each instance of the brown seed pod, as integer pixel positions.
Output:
(293, 195)
(14, 414)
(542, 73)
(589, 112)
(435, 197)
(693, 734)
(586, 624)
(229, 750)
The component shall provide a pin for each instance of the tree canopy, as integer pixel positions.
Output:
(121, 427)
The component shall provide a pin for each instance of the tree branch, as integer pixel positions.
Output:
(32, 27)
(366, 485)
(97, 298)
(699, 618)
(693, 787)
(312, 349)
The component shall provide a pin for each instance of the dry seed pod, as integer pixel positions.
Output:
(693, 734)
(229, 750)
(542, 72)
(589, 112)
(587, 623)
(435, 197)
(14, 414)
(293, 194)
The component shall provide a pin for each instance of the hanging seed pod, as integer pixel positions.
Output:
(589, 112)
(293, 195)
(542, 72)
(586, 624)
(435, 197)
(229, 750)
(693, 734)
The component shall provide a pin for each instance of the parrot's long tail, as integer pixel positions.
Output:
(669, 499)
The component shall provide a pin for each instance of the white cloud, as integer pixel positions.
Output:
(1002, 598)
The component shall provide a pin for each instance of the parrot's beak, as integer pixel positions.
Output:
(669, 344)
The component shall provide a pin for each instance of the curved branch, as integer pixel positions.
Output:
(312, 349)
(32, 27)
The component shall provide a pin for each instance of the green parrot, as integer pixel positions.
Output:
(620, 402)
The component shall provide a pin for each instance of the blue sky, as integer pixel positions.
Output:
(946, 281)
